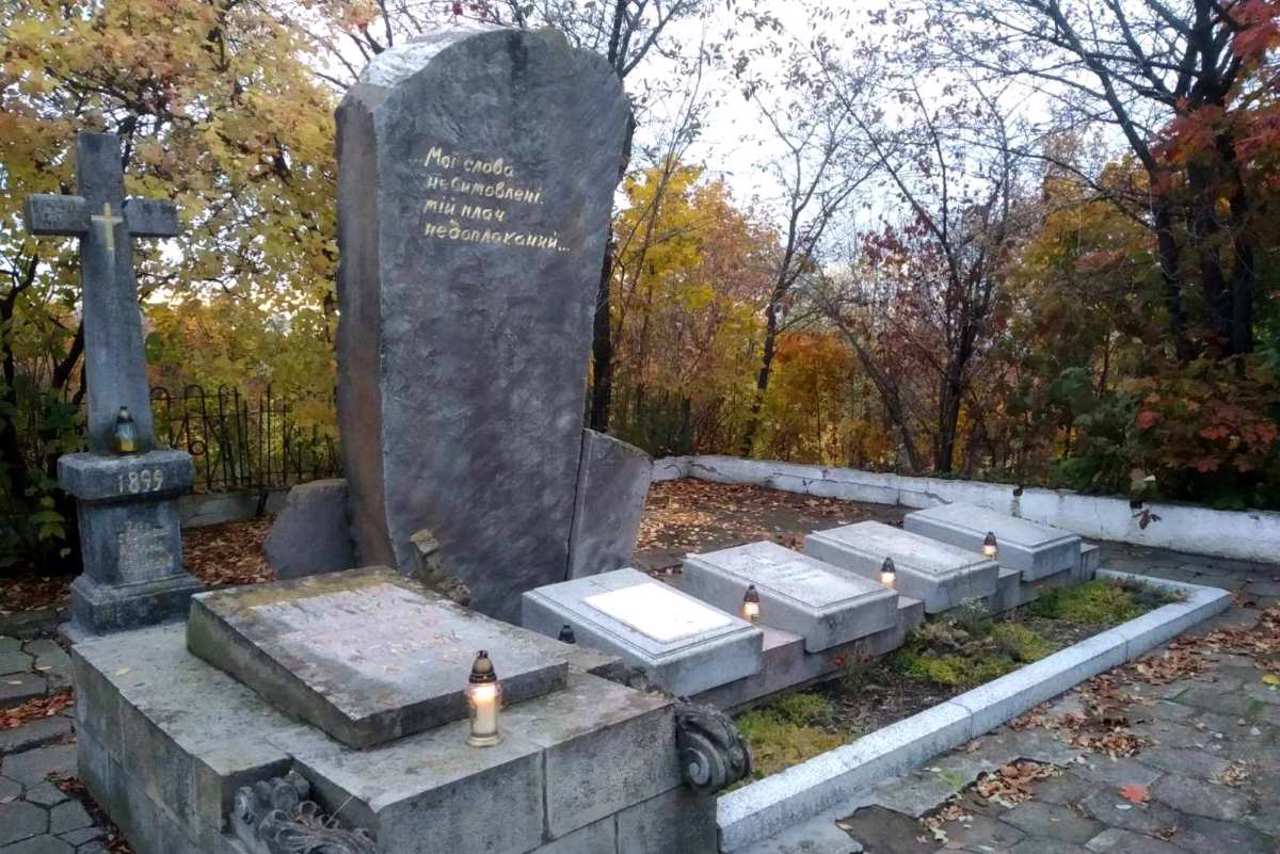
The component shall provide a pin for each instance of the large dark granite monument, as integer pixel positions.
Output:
(476, 175)
(129, 530)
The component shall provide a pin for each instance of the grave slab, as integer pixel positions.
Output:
(365, 655)
(1033, 549)
(681, 644)
(825, 605)
(163, 733)
(941, 575)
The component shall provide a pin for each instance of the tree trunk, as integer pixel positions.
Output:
(762, 379)
(1167, 248)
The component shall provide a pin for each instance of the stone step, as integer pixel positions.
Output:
(1033, 549)
(682, 644)
(940, 574)
(825, 605)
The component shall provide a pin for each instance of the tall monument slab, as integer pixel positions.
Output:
(476, 175)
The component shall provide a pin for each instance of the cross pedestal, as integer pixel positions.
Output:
(130, 539)
(126, 504)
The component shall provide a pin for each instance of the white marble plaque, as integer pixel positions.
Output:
(657, 612)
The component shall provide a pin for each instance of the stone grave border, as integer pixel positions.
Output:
(1252, 535)
(778, 802)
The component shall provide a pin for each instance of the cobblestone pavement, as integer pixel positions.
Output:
(36, 815)
(1209, 770)
(1204, 774)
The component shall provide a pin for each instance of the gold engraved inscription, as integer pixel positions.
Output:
(473, 198)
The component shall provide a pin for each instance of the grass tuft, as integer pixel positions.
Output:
(1097, 603)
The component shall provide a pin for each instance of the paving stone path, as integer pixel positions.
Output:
(37, 817)
(1211, 771)
(1206, 778)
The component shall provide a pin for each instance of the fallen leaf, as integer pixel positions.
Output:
(1270, 679)
(1135, 794)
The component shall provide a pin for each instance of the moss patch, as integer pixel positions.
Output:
(967, 652)
(788, 731)
(1098, 603)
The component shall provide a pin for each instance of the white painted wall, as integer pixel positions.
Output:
(1247, 535)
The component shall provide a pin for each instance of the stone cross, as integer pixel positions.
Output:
(130, 536)
(106, 224)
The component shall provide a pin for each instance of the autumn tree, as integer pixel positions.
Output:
(1190, 88)
(920, 298)
(692, 274)
(217, 112)
(811, 181)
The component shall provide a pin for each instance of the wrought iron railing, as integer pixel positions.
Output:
(241, 442)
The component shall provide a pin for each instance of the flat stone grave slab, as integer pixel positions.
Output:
(365, 655)
(939, 574)
(1034, 550)
(825, 605)
(682, 644)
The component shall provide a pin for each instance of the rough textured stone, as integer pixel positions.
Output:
(1128, 842)
(17, 688)
(681, 644)
(1050, 820)
(676, 821)
(19, 820)
(130, 537)
(1034, 550)
(825, 605)
(38, 845)
(68, 816)
(941, 575)
(476, 176)
(14, 662)
(1196, 797)
(312, 533)
(45, 794)
(33, 766)
(365, 654)
(613, 481)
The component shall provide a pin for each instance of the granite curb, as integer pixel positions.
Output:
(778, 802)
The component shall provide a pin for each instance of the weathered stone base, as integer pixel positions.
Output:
(98, 609)
(166, 740)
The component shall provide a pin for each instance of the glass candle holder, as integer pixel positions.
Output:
(990, 548)
(888, 573)
(751, 605)
(484, 696)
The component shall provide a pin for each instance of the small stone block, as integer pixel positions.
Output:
(683, 645)
(151, 217)
(800, 594)
(50, 213)
(365, 655)
(129, 477)
(1035, 550)
(940, 574)
(17, 688)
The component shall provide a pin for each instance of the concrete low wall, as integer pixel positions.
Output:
(199, 510)
(1247, 535)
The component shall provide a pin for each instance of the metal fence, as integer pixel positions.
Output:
(242, 442)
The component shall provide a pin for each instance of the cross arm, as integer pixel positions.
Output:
(48, 213)
(151, 217)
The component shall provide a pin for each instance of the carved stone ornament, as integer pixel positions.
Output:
(713, 753)
(275, 817)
